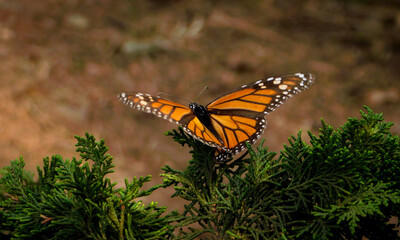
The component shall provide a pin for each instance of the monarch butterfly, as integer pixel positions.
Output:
(230, 121)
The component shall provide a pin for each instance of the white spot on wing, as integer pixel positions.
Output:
(277, 81)
(300, 75)
(283, 87)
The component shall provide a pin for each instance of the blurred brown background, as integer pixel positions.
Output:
(62, 64)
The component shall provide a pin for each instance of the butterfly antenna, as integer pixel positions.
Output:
(172, 96)
(205, 88)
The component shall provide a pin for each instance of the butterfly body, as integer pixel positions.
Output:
(204, 117)
(230, 121)
(201, 113)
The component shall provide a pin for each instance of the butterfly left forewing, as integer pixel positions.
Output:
(163, 108)
(174, 112)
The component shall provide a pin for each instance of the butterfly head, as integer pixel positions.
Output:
(198, 109)
(195, 107)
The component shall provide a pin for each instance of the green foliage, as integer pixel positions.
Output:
(343, 185)
(74, 199)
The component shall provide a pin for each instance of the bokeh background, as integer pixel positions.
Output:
(63, 62)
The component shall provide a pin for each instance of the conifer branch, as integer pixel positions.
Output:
(343, 185)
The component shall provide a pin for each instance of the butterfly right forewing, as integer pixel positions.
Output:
(262, 96)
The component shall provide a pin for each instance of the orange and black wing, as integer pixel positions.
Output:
(239, 117)
(172, 111)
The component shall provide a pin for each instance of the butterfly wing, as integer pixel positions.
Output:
(172, 111)
(239, 117)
